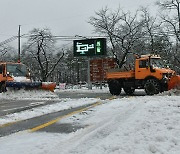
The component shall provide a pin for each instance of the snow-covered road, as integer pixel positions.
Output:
(134, 125)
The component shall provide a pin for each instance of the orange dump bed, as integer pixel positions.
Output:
(120, 75)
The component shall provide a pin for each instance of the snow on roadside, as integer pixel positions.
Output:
(172, 92)
(138, 125)
(131, 125)
(38, 111)
(85, 90)
(44, 95)
(28, 94)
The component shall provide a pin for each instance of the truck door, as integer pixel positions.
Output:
(142, 69)
(2, 78)
(1, 73)
(1, 69)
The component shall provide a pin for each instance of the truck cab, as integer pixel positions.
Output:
(151, 66)
(12, 73)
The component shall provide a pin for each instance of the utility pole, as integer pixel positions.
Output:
(19, 44)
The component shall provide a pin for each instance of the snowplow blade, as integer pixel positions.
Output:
(32, 85)
(48, 86)
(174, 82)
(26, 85)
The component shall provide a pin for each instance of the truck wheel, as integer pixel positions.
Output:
(2, 87)
(152, 87)
(114, 87)
(129, 90)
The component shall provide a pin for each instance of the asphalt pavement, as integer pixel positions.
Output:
(38, 123)
(8, 106)
(41, 123)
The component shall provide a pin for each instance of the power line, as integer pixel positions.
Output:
(8, 40)
(75, 37)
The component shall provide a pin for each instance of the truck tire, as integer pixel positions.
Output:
(114, 87)
(2, 87)
(152, 87)
(129, 90)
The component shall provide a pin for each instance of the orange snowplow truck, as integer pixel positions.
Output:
(8, 71)
(149, 74)
(17, 76)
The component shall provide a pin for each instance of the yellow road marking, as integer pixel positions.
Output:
(54, 121)
(113, 97)
(61, 117)
(8, 124)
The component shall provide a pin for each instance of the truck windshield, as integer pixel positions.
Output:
(157, 62)
(17, 70)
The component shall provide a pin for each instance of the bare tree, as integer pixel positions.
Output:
(172, 16)
(171, 19)
(122, 29)
(3, 51)
(155, 39)
(40, 47)
(150, 27)
(8, 53)
(106, 23)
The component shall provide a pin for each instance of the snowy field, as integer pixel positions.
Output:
(133, 125)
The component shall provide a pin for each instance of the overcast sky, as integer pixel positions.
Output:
(63, 17)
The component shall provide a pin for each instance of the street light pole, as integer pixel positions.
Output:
(19, 44)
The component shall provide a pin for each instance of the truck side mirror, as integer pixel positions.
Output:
(152, 69)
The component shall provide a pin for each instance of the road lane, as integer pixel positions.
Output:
(41, 122)
(64, 116)
(13, 106)
(90, 94)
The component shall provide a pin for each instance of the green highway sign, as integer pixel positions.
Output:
(89, 47)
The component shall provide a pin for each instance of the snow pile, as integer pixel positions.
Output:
(28, 94)
(172, 92)
(85, 90)
(39, 111)
(134, 125)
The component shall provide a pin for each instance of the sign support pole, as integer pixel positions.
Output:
(19, 44)
(89, 75)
